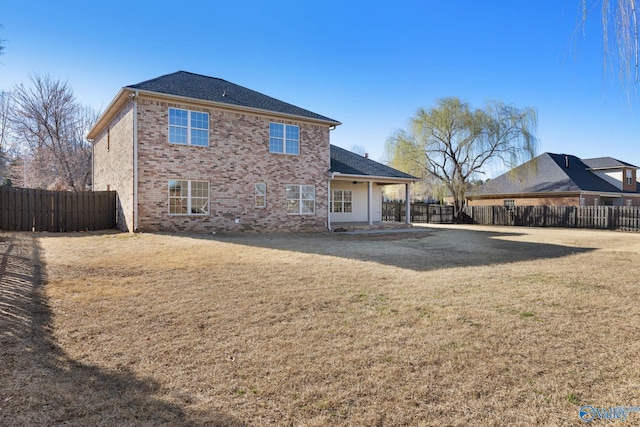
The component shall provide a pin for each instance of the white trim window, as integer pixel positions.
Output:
(284, 139)
(341, 201)
(301, 199)
(188, 127)
(629, 177)
(188, 197)
(261, 195)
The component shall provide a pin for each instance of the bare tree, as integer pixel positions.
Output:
(5, 144)
(619, 17)
(1, 44)
(51, 125)
(456, 145)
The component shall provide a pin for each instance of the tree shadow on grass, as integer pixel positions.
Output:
(424, 250)
(42, 385)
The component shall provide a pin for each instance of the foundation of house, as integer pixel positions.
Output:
(359, 226)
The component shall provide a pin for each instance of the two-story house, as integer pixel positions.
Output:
(187, 152)
(562, 180)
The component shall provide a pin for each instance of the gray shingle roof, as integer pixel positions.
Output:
(196, 86)
(606, 163)
(349, 163)
(549, 173)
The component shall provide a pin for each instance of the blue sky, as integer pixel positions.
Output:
(369, 65)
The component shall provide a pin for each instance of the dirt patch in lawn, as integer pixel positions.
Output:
(456, 326)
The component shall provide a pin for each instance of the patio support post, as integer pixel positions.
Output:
(407, 204)
(370, 203)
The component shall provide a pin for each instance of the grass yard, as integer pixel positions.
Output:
(456, 325)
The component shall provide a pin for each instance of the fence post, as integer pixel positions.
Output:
(4, 207)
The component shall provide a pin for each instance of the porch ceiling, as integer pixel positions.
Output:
(380, 180)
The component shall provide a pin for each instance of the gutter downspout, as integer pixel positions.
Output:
(329, 201)
(331, 176)
(93, 165)
(135, 161)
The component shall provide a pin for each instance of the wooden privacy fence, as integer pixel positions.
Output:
(420, 212)
(625, 218)
(27, 209)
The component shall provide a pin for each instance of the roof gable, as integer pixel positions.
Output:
(548, 173)
(349, 163)
(196, 86)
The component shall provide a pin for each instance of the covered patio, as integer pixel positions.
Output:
(355, 191)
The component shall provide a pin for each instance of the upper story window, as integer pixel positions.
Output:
(188, 127)
(284, 139)
(629, 177)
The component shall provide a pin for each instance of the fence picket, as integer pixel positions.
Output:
(27, 209)
(626, 218)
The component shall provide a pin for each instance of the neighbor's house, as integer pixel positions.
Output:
(562, 180)
(187, 152)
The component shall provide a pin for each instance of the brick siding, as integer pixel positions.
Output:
(529, 201)
(236, 159)
(113, 164)
(587, 200)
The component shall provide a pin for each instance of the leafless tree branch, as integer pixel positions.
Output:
(51, 125)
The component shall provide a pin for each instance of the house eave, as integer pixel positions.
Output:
(612, 168)
(109, 113)
(605, 194)
(337, 176)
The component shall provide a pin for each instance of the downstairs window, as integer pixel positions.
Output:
(301, 199)
(341, 201)
(188, 197)
(260, 195)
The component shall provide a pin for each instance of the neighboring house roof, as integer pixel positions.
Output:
(183, 84)
(346, 162)
(552, 173)
(607, 163)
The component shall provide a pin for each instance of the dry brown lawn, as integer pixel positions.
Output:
(456, 325)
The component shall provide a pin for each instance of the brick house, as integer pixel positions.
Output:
(187, 152)
(562, 180)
